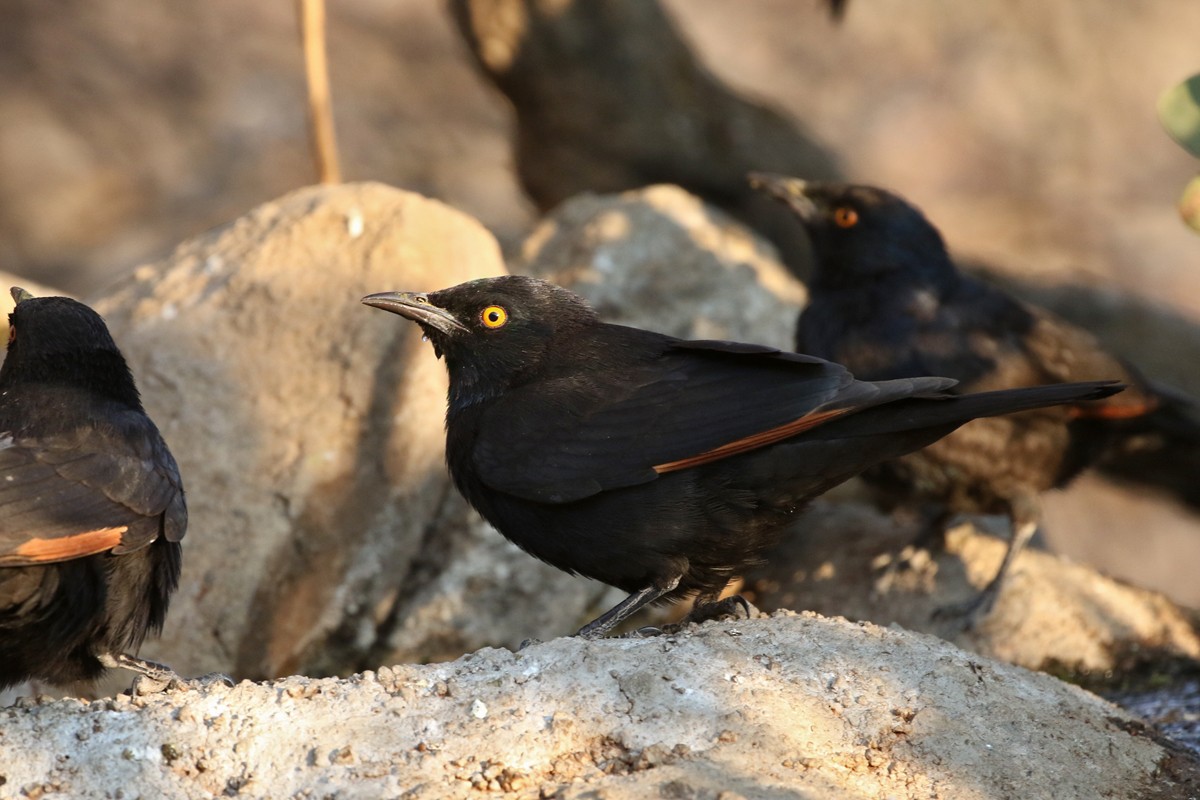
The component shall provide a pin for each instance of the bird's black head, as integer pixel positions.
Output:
(493, 332)
(57, 340)
(861, 233)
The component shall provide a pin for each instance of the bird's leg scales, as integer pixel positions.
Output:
(153, 677)
(601, 625)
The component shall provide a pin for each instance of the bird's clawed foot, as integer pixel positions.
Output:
(646, 632)
(144, 684)
(733, 606)
(153, 677)
(725, 607)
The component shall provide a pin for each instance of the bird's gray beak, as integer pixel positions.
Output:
(417, 307)
(792, 192)
(19, 294)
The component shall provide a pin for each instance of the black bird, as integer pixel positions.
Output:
(91, 503)
(661, 466)
(886, 301)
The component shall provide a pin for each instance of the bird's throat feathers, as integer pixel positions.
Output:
(479, 373)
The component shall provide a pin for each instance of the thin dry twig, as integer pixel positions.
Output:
(320, 109)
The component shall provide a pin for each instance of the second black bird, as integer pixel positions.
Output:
(886, 300)
(661, 466)
(91, 503)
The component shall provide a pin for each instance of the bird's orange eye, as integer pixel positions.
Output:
(494, 317)
(845, 217)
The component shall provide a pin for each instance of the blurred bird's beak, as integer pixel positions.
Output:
(790, 191)
(19, 294)
(417, 307)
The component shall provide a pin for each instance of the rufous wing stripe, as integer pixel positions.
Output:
(761, 439)
(63, 548)
(1111, 410)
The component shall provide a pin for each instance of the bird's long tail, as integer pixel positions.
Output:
(944, 411)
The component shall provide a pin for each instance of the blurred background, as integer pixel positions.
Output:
(1025, 130)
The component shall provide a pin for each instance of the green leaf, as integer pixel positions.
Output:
(1179, 112)
(1189, 204)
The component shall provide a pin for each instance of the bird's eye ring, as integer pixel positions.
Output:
(845, 217)
(493, 317)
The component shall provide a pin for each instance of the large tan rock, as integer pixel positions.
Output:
(308, 428)
(773, 708)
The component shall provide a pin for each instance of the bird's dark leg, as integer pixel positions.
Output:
(625, 609)
(155, 677)
(1024, 512)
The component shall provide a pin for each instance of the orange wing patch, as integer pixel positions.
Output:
(761, 439)
(1112, 410)
(63, 548)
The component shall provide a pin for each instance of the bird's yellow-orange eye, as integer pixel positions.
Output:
(494, 317)
(845, 217)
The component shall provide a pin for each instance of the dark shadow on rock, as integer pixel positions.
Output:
(1053, 615)
(313, 567)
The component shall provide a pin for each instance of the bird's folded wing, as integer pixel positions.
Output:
(58, 501)
(563, 440)
(1066, 353)
(991, 341)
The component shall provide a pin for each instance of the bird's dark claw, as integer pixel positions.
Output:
(646, 632)
(725, 607)
(145, 684)
(153, 677)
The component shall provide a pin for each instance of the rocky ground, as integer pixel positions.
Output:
(787, 707)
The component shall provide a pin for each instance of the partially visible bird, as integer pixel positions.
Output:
(886, 301)
(609, 97)
(91, 502)
(661, 466)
